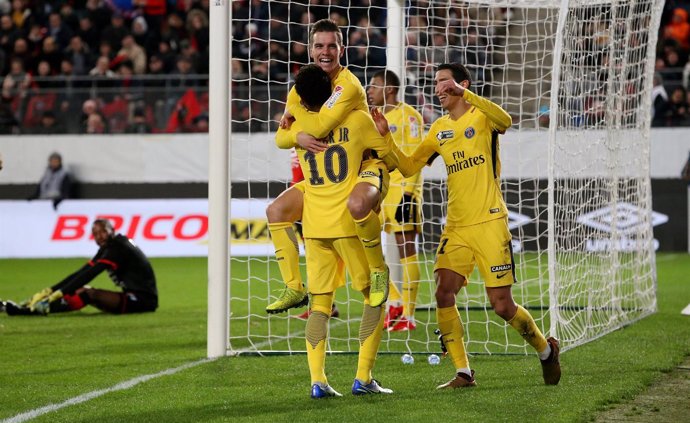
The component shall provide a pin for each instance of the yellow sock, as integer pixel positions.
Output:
(451, 328)
(410, 284)
(394, 296)
(316, 333)
(527, 328)
(369, 232)
(370, 333)
(287, 253)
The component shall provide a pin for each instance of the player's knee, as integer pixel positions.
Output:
(444, 297)
(504, 309)
(358, 206)
(273, 212)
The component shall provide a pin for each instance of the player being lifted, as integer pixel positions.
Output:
(326, 49)
(476, 232)
(402, 207)
(331, 241)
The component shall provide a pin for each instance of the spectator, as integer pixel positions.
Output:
(60, 32)
(16, 84)
(8, 33)
(95, 124)
(135, 53)
(677, 112)
(56, 183)
(88, 33)
(138, 124)
(143, 37)
(49, 125)
(51, 52)
(679, 28)
(199, 124)
(115, 32)
(8, 122)
(659, 101)
(80, 55)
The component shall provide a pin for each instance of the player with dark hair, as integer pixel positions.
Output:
(476, 231)
(331, 241)
(126, 265)
(347, 94)
(403, 205)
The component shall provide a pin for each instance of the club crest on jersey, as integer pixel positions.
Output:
(469, 132)
(443, 136)
(337, 92)
(393, 128)
(414, 127)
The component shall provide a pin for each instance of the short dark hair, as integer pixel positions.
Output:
(107, 225)
(325, 25)
(460, 72)
(313, 85)
(390, 79)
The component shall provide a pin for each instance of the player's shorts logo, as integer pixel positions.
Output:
(469, 132)
(501, 268)
(393, 128)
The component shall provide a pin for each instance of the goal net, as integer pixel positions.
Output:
(576, 78)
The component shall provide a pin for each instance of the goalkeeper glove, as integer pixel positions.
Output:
(43, 306)
(407, 210)
(40, 295)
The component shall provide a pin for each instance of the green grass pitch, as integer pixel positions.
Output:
(48, 360)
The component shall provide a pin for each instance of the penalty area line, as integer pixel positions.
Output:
(32, 414)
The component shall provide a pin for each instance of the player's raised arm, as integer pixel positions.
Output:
(379, 138)
(499, 118)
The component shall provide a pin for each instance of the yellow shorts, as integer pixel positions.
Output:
(389, 207)
(327, 259)
(300, 186)
(372, 171)
(488, 245)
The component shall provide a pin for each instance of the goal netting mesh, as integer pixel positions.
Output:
(576, 78)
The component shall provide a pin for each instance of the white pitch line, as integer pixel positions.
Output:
(32, 414)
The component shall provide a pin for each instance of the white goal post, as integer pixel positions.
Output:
(576, 77)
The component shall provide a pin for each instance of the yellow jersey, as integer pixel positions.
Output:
(331, 175)
(470, 150)
(348, 94)
(406, 125)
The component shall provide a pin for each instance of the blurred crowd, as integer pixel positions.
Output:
(95, 66)
(671, 93)
(141, 66)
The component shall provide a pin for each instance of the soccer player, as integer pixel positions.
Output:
(326, 49)
(126, 265)
(331, 241)
(402, 209)
(476, 232)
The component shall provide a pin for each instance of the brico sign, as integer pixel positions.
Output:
(172, 228)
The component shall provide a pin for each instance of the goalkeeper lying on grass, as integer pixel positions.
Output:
(126, 265)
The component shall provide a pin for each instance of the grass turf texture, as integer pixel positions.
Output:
(49, 360)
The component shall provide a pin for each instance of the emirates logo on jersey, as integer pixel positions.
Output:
(469, 132)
